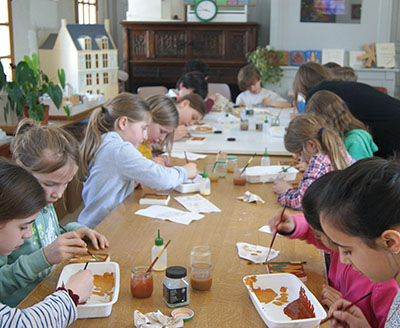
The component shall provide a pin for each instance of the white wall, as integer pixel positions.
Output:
(288, 33)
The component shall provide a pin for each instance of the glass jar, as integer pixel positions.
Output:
(220, 168)
(141, 282)
(231, 163)
(175, 287)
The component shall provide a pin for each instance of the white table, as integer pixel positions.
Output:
(246, 142)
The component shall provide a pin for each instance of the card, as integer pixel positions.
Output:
(313, 56)
(88, 258)
(155, 199)
(288, 267)
(296, 58)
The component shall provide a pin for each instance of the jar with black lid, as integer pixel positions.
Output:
(175, 287)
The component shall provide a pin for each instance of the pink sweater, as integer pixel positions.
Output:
(349, 282)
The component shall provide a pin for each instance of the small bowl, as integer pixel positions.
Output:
(185, 313)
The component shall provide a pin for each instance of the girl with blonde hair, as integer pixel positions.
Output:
(111, 164)
(52, 156)
(165, 119)
(334, 111)
(318, 146)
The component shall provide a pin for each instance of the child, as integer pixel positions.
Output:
(344, 281)
(362, 218)
(51, 155)
(249, 81)
(191, 82)
(111, 164)
(334, 111)
(21, 199)
(165, 118)
(191, 108)
(312, 143)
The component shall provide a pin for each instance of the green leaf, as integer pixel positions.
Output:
(2, 77)
(24, 74)
(61, 77)
(66, 109)
(55, 94)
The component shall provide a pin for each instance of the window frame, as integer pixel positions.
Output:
(11, 36)
(85, 3)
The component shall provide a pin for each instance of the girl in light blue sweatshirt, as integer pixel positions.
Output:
(21, 199)
(110, 163)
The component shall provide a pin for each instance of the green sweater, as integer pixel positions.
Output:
(359, 144)
(26, 267)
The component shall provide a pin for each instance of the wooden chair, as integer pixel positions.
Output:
(221, 88)
(145, 92)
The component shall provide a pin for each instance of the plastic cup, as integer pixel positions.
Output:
(212, 172)
(239, 179)
(141, 282)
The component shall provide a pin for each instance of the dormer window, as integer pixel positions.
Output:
(104, 42)
(88, 43)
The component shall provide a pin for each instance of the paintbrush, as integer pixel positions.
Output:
(288, 262)
(187, 161)
(275, 233)
(86, 265)
(329, 317)
(216, 160)
(157, 257)
(98, 259)
(247, 164)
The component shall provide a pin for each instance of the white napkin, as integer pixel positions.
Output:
(197, 204)
(248, 197)
(255, 253)
(155, 320)
(190, 156)
(169, 213)
(267, 229)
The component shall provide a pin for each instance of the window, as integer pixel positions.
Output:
(6, 38)
(104, 43)
(88, 60)
(86, 11)
(88, 43)
(97, 79)
(105, 60)
(105, 78)
(88, 79)
(97, 61)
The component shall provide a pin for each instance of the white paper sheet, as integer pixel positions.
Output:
(267, 229)
(190, 156)
(255, 253)
(197, 204)
(169, 213)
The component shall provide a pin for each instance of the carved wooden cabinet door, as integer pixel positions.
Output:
(169, 44)
(207, 44)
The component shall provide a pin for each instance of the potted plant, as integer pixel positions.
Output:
(267, 61)
(30, 84)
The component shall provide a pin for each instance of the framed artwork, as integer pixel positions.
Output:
(356, 11)
(296, 58)
(313, 56)
(330, 11)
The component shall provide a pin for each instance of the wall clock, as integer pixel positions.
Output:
(206, 10)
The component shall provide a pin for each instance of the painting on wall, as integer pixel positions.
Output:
(330, 11)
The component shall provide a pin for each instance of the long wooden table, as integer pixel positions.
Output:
(227, 304)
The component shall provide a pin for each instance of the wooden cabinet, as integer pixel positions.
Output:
(155, 52)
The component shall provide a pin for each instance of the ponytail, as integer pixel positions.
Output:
(306, 127)
(105, 120)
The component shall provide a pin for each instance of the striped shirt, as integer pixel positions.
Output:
(318, 165)
(57, 310)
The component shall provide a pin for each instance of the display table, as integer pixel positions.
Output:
(227, 304)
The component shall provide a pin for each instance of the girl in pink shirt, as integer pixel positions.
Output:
(344, 281)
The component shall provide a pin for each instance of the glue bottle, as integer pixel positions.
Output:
(161, 263)
(205, 185)
(265, 160)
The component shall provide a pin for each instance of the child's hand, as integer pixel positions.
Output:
(330, 295)
(302, 166)
(287, 225)
(352, 317)
(281, 186)
(64, 247)
(98, 240)
(267, 101)
(81, 284)
(162, 160)
(180, 132)
(191, 169)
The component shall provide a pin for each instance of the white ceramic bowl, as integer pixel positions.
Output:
(93, 308)
(272, 314)
(261, 174)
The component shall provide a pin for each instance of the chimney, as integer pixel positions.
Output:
(107, 25)
(64, 22)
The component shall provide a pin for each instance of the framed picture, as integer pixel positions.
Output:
(296, 58)
(313, 56)
(356, 11)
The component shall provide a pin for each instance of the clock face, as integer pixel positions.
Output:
(206, 10)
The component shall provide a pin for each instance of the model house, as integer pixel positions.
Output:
(88, 56)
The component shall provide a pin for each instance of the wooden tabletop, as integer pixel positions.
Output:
(227, 303)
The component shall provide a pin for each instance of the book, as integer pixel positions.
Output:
(295, 268)
(155, 199)
(333, 55)
(312, 56)
(353, 58)
(296, 57)
(385, 55)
